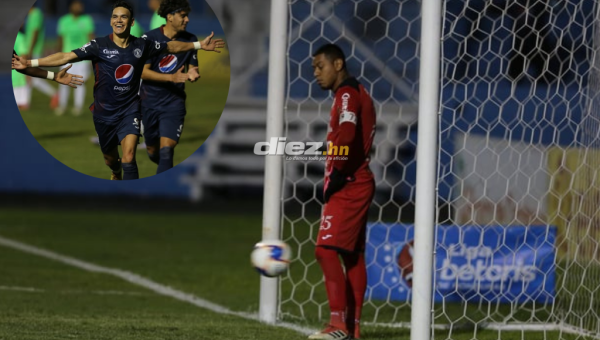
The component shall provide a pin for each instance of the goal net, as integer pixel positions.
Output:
(518, 192)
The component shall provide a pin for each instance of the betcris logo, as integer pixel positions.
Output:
(464, 263)
(168, 63)
(124, 74)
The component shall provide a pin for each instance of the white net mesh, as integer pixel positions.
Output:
(518, 189)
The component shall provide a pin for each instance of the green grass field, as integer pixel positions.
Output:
(206, 255)
(67, 137)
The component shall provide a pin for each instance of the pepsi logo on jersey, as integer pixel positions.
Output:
(168, 63)
(124, 74)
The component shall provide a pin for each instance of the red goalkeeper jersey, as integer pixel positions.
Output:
(351, 125)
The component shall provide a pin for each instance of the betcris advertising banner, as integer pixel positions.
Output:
(496, 264)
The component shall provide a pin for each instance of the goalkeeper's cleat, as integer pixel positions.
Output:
(59, 111)
(353, 329)
(330, 333)
(116, 176)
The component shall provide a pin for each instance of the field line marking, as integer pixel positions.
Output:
(143, 282)
(80, 292)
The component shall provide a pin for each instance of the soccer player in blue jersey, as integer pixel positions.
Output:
(163, 94)
(118, 61)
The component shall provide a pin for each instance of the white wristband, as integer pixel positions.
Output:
(35, 63)
(197, 45)
(50, 75)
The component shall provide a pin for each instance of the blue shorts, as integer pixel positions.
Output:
(110, 134)
(160, 123)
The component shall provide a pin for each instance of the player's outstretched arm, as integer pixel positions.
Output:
(64, 78)
(57, 59)
(177, 77)
(61, 77)
(207, 44)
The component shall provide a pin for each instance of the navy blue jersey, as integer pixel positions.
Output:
(167, 96)
(118, 72)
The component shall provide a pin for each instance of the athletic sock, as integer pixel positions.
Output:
(166, 159)
(335, 284)
(356, 285)
(130, 171)
(116, 167)
(154, 157)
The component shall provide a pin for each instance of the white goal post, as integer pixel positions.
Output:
(485, 157)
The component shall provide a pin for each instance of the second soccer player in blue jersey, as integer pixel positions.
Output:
(163, 89)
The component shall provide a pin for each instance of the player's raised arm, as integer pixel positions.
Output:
(61, 77)
(208, 44)
(57, 59)
(177, 77)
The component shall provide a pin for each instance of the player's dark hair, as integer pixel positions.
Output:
(332, 52)
(124, 4)
(173, 6)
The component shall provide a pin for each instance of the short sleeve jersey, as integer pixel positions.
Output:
(35, 22)
(352, 124)
(118, 72)
(167, 96)
(157, 21)
(75, 31)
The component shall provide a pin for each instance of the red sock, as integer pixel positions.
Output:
(356, 285)
(335, 284)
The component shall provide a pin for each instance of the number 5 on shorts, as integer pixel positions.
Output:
(325, 222)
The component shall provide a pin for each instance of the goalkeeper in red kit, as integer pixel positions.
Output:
(348, 192)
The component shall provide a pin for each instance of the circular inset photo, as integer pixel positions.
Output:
(121, 89)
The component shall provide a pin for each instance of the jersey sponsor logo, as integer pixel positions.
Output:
(122, 88)
(326, 237)
(124, 74)
(168, 63)
(345, 98)
(136, 123)
(157, 45)
(110, 52)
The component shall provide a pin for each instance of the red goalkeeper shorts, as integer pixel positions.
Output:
(344, 220)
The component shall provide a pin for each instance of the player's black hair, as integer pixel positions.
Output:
(124, 4)
(173, 6)
(332, 52)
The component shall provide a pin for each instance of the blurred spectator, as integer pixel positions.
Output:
(19, 81)
(157, 20)
(35, 35)
(532, 50)
(74, 30)
(137, 30)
